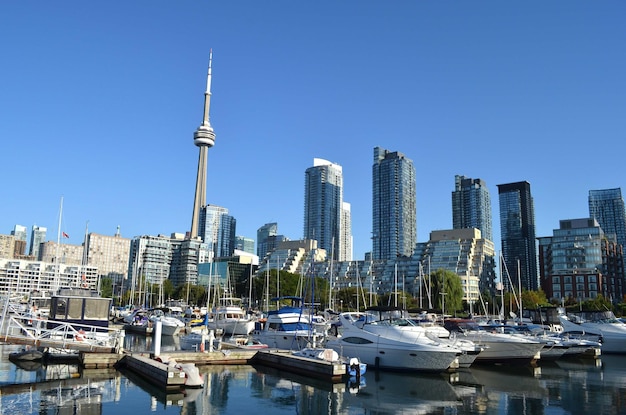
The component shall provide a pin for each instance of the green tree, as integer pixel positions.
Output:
(449, 283)
(597, 304)
(106, 287)
(534, 299)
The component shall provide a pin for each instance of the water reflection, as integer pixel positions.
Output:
(572, 387)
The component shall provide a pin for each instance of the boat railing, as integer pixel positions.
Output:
(66, 335)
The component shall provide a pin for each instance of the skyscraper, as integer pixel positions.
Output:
(323, 207)
(204, 137)
(607, 207)
(471, 206)
(262, 235)
(244, 244)
(217, 230)
(517, 230)
(394, 205)
(37, 236)
(20, 235)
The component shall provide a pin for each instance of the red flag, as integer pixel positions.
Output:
(65, 235)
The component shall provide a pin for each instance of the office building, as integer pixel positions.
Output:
(517, 231)
(244, 244)
(471, 206)
(262, 235)
(394, 205)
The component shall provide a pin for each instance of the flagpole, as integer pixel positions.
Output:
(56, 259)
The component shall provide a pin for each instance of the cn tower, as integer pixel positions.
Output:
(203, 137)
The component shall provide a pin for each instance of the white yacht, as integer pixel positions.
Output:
(231, 318)
(498, 347)
(393, 343)
(603, 324)
(288, 328)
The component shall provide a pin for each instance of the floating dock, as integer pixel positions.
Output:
(317, 368)
(161, 374)
(169, 378)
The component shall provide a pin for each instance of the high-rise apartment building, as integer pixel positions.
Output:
(394, 205)
(20, 234)
(607, 207)
(464, 252)
(323, 208)
(345, 241)
(53, 252)
(517, 231)
(579, 262)
(217, 230)
(149, 262)
(471, 206)
(37, 237)
(109, 254)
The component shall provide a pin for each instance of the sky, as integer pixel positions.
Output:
(99, 102)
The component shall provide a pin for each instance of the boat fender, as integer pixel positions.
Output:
(80, 336)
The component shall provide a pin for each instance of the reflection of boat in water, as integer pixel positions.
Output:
(72, 395)
(403, 393)
(514, 380)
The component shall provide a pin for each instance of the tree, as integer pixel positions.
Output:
(534, 299)
(448, 283)
(106, 287)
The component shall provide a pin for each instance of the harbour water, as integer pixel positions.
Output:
(562, 387)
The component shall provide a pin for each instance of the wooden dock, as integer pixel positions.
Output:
(169, 378)
(158, 373)
(285, 360)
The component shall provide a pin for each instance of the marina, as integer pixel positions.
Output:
(234, 389)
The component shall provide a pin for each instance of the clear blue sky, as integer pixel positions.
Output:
(99, 102)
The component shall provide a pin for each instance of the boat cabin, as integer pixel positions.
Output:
(79, 306)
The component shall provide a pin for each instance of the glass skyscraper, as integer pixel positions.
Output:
(471, 206)
(217, 230)
(607, 207)
(262, 236)
(394, 214)
(37, 237)
(324, 212)
(517, 231)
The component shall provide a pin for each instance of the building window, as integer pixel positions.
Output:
(580, 278)
(556, 288)
(556, 280)
(591, 278)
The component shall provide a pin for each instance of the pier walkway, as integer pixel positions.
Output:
(25, 330)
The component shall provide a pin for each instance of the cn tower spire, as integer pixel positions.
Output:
(204, 138)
